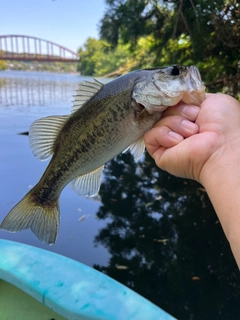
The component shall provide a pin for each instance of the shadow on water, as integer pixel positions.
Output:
(153, 232)
(166, 242)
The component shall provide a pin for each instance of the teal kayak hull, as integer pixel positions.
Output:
(70, 288)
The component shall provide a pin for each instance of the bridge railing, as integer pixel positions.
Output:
(20, 47)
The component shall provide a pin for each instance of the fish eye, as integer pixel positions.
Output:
(175, 71)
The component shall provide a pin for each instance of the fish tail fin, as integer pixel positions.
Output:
(43, 220)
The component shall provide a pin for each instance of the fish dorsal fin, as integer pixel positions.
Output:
(86, 91)
(42, 135)
(137, 148)
(88, 184)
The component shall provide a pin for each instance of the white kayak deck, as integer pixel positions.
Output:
(70, 288)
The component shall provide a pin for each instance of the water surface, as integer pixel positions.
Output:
(25, 97)
(153, 232)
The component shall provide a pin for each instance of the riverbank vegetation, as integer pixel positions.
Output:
(138, 34)
(60, 67)
(3, 65)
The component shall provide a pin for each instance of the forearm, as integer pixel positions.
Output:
(222, 183)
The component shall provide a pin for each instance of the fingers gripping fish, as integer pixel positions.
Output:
(106, 120)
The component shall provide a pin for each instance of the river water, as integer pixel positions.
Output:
(155, 233)
(25, 97)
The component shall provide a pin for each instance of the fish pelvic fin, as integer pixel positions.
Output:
(43, 221)
(88, 184)
(137, 148)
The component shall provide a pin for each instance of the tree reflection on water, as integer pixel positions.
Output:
(166, 241)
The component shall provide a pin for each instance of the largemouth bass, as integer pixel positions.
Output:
(106, 120)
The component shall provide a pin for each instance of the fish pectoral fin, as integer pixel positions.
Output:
(42, 135)
(88, 184)
(137, 148)
(86, 90)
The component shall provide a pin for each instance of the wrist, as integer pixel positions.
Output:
(222, 165)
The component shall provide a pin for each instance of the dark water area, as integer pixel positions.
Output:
(155, 233)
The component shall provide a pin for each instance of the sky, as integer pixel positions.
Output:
(65, 22)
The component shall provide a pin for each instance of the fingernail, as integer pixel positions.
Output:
(175, 136)
(189, 125)
(190, 111)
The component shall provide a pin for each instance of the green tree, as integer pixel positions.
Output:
(206, 33)
(88, 56)
(98, 58)
(2, 65)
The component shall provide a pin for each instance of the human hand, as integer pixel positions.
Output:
(190, 141)
(207, 150)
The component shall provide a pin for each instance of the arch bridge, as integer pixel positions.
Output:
(28, 48)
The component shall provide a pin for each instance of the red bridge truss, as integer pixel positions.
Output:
(26, 48)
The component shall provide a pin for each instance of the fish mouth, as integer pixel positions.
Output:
(195, 93)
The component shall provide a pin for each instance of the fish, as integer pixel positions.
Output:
(106, 119)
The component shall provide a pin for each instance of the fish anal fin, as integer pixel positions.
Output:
(86, 90)
(137, 148)
(42, 135)
(43, 221)
(88, 184)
